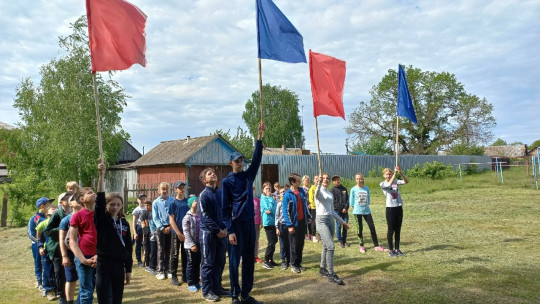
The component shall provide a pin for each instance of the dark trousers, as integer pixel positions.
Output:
(193, 269)
(284, 245)
(147, 249)
(312, 227)
(138, 243)
(177, 247)
(394, 218)
(245, 239)
(213, 261)
(163, 251)
(371, 225)
(153, 255)
(341, 230)
(271, 237)
(297, 243)
(110, 281)
(59, 275)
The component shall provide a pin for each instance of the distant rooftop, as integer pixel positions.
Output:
(4, 125)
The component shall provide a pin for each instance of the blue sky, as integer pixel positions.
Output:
(202, 59)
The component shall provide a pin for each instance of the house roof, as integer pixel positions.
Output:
(182, 151)
(285, 151)
(507, 151)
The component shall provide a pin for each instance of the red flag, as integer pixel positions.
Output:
(327, 76)
(116, 32)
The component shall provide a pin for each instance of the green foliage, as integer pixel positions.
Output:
(375, 172)
(499, 142)
(280, 114)
(464, 149)
(446, 113)
(434, 170)
(376, 145)
(57, 140)
(535, 143)
(241, 140)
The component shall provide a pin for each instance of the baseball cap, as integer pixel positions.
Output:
(235, 155)
(141, 195)
(65, 196)
(191, 200)
(178, 184)
(43, 200)
(335, 177)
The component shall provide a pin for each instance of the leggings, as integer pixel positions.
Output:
(394, 218)
(371, 225)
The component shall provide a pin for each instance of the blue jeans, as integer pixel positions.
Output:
(340, 229)
(87, 281)
(284, 246)
(48, 273)
(38, 269)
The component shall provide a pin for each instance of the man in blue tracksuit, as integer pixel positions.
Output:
(212, 237)
(238, 215)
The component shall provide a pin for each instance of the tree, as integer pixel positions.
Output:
(446, 114)
(280, 111)
(536, 143)
(58, 119)
(241, 141)
(376, 145)
(464, 149)
(499, 142)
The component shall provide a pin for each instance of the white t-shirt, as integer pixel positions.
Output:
(391, 192)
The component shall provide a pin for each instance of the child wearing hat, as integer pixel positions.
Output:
(191, 224)
(42, 204)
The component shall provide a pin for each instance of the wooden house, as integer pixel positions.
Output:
(184, 159)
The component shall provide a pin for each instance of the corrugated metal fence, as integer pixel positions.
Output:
(348, 165)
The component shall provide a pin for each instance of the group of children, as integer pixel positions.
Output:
(280, 212)
(87, 239)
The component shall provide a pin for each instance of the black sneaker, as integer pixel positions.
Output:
(274, 263)
(140, 264)
(398, 252)
(235, 301)
(284, 266)
(174, 281)
(341, 245)
(222, 292)
(267, 265)
(323, 272)
(302, 268)
(295, 269)
(249, 300)
(392, 253)
(211, 297)
(335, 279)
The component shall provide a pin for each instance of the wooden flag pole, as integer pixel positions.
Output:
(318, 148)
(397, 139)
(260, 91)
(98, 123)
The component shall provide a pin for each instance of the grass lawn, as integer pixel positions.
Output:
(470, 241)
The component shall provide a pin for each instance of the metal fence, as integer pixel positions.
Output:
(348, 165)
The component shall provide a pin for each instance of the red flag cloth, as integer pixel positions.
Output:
(116, 32)
(327, 76)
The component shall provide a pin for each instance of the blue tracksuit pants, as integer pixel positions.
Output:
(245, 237)
(213, 261)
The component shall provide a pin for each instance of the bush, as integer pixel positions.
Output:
(434, 170)
(375, 172)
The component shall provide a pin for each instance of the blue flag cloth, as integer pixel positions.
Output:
(405, 106)
(277, 38)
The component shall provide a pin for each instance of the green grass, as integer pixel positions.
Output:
(470, 241)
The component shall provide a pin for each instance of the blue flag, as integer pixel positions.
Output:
(277, 38)
(405, 106)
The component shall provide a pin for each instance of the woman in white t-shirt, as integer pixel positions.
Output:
(394, 208)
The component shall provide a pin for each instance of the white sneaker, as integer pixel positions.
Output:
(314, 239)
(169, 275)
(161, 276)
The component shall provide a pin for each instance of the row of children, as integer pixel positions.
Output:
(87, 239)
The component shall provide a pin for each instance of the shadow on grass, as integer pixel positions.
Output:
(513, 240)
(437, 247)
(469, 259)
